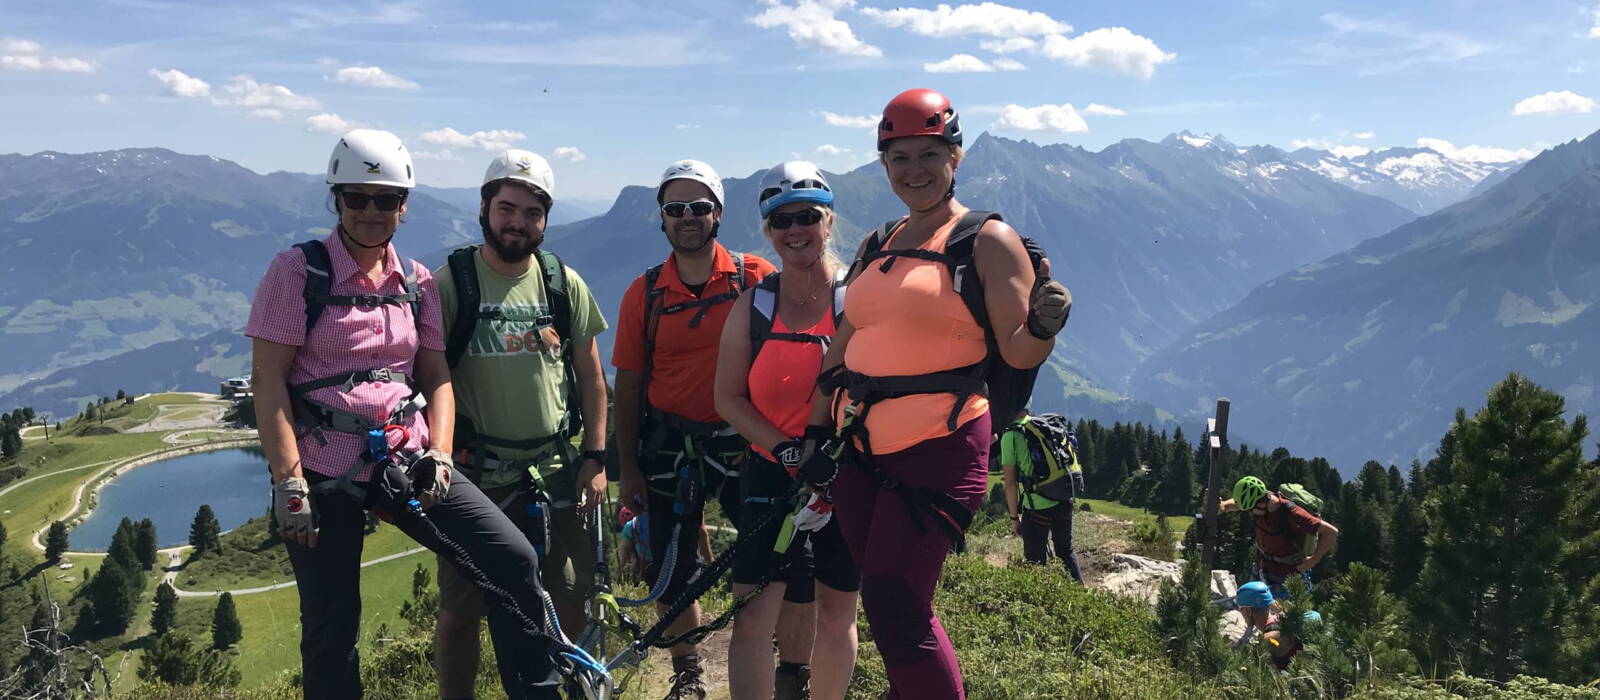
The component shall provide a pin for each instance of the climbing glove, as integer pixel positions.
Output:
(430, 477)
(291, 507)
(816, 513)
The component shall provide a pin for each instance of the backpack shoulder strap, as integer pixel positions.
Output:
(964, 273)
(464, 275)
(555, 287)
(738, 272)
(763, 308)
(319, 281)
(874, 243)
(414, 293)
(839, 288)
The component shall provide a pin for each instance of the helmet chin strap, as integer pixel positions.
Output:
(346, 236)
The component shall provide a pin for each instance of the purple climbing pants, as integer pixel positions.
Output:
(900, 566)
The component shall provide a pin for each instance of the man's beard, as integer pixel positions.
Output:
(710, 236)
(511, 249)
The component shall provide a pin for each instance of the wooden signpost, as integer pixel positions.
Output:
(1216, 439)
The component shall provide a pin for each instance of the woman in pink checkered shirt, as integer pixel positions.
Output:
(346, 341)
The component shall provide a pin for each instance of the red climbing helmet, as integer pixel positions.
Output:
(919, 112)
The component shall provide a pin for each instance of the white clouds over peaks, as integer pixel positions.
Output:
(180, 84)
(1057, 118)
(496, 140)
(849, 122)
(1099, 110)
(25, 55)
(829, 149)
(987, 19)
(1363, 135)
(1113, 48)
(265, 99)
(372, 76)
(1563, 102)
(812, 23)
(327, 123)
(1476, 154)
(967, 63)
(1329, 146)
(568, 153)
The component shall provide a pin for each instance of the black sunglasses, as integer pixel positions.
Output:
(699, 207)
(357, 201)
(804, 217)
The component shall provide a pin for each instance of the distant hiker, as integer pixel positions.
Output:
(1042, 479)
(771, 353)
(936, 298)
(635, 549)
(520, 331)
(1261, 612)
(356, 411)
(666, 358)
(1290, 539)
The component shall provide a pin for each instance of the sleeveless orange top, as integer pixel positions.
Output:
(783, 378)
(908, 321)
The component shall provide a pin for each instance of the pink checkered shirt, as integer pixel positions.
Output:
(348, 339)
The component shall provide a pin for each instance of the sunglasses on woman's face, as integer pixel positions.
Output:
(699, 207)
(357, 201)
(804, 217)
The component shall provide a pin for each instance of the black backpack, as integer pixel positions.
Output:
(1053, 452)
(764, 308)
(318, 291)
(1007, 387)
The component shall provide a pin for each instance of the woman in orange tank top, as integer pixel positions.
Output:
(919, 455)
(771, 353)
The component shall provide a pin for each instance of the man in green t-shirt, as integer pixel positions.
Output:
(1033, 516)
(516, 375)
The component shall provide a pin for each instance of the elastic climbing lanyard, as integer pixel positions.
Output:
(397, 494)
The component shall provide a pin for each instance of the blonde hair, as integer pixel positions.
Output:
(830, 253)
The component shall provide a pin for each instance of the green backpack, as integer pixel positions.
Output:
(1300, 496)
(1052, 450)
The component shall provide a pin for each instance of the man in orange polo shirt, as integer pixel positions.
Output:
(668, 332)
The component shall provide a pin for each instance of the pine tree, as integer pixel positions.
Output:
(205, 534)
(2, 533)
(1360, 523)
(1407, 544)
(121, 547)
(1581, 570)
(225, 628)
(165, 615)
(109, 597)
(1367, 627)
(1486, 599)
(1187, 623)
(172, 659)
(10, 443)
(145, 543)
(55, 542)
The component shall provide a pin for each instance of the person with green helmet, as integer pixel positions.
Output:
(1281, 526)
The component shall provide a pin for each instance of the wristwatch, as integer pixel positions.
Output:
(596, 455)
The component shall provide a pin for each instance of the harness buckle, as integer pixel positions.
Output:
(368, 301)
(381, 375)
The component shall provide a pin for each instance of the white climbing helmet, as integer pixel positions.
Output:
(692, 170)
(371, 157)
(793, 181)
(523, 166)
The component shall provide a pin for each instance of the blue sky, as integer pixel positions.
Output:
(622, 88)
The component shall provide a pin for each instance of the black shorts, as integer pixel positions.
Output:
(819, 556)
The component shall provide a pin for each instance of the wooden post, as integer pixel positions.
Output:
(1216, 440)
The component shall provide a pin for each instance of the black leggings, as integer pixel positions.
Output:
(329, 578)
(1055, 523)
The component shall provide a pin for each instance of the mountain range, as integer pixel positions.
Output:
(1367, 354)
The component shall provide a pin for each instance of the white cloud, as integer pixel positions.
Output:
(102, 98)
(829, 149)
(439, 155)
(495, 140)
(372, 76)
(812, 23)
(267, 113)
(850, 122)
(244, 91)
(1363, 135)
(1058, 118)
(682, 127)
(180, 84)
(1563, 102)
(968, 63)
(1010, 45)
(986, 18)
(1099, 110)
(1378, 47)
(1476, 154)
(1112, 48)
(328, 123)
(24, 55)
(15, 46)
(1594, 30)
(568, 153)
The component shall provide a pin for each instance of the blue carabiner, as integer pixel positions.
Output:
(378, 445)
